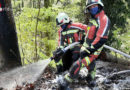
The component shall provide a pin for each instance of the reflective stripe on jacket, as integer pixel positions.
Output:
(98, 29)
(74, 32)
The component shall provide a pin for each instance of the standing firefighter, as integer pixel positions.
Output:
(97, 35)
(68, 33)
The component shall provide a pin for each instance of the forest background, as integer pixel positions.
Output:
(37, 30)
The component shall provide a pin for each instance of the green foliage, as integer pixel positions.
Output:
(16, 6)
(117, 10)
(26, 18)
(73, 9)
(46, 35)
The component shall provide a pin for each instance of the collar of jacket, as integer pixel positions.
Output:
(99, 14)
(69, 25)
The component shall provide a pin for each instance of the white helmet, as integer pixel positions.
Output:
(92, 2)
(62, 18)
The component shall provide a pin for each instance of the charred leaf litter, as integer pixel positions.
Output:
(106, 79)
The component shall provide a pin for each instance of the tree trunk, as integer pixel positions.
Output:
(14, 2)
(22, 3)
(46, 3)
(36, 31)
(9, 51)
(34, 6)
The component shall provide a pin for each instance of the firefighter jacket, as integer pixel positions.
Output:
(75, 32)
(97, 31)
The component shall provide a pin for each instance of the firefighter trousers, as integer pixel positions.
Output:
(88, 62)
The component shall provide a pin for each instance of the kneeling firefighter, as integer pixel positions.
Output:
(96, 37)
(68, 33)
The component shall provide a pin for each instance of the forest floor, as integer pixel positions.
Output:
(109, 76)
(104, 70)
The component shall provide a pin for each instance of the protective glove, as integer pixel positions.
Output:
(84, 52)
(91, 49)
(57, 54)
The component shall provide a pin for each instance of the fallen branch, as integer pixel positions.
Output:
(109, 57)
(118, 73)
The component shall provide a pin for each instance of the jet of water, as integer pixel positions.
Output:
(26, 74)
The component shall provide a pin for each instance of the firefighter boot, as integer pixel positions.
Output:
(64, 83)
(59, 69)
(64, 86)
(91, 78)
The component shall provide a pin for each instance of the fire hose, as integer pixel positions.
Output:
(105, 46)
(117, 51)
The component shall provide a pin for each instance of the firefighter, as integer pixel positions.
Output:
(69, 33)
(96, 37)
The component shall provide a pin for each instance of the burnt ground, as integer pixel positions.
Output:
(104, 69)
(105, 79)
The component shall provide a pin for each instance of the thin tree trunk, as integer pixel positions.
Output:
(20, 39)
(9, 50)
(33, 3)
(14, 2)
(22, 3)
(46, 3)
(57, 1)
(36, 55)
